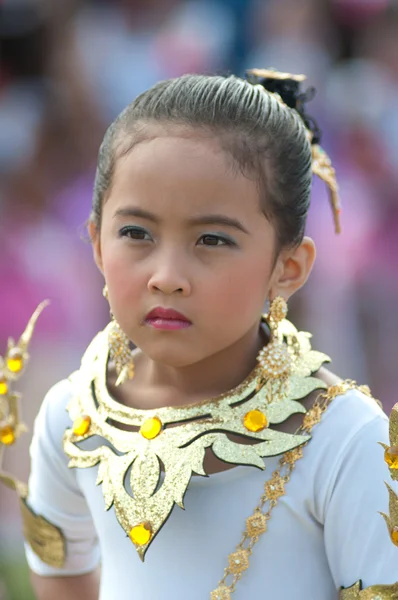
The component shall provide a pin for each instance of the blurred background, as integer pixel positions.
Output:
(68, 67)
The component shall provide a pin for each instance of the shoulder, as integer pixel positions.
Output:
(53, 418)
(351, 407)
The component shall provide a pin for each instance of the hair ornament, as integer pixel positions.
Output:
(286, 88)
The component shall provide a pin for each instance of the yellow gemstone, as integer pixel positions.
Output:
(394, 536)
(7, 435)
(15, 361)
(141, 534)
(391, 457)
(255, 420)
(81, 425)
(151, 428)
(3, 386)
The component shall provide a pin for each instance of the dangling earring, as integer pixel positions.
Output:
(275, 359)
(119, 349)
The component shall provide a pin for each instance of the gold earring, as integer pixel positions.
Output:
(119, 349)
(275, 359)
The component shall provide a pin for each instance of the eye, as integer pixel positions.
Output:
(212, 239)
(135, 233)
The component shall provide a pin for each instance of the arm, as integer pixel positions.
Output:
(360, 552)
(57, 520)
(79, 587)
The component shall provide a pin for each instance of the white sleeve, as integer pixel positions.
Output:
(54, 492)
(357, 541)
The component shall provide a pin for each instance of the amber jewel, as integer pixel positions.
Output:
(7, 435)
(394, 536)
(255, 420)
(141, 534)
(151, 428)
(15, 360)
(221, 593)
(3, 385)
(391, 457)
(81, 425)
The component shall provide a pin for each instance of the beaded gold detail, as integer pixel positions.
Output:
(181, 448)
(391, 458)
(275, 487)
(238, 561)
(45, 539)
(375, 592)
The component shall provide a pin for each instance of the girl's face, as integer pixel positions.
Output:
(183, 230)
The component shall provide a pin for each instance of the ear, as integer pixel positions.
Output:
(95, 238)
(292, 269)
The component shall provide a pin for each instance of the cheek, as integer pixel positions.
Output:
(240, 291)
(125, 281)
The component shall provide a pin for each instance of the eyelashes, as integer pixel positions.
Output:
(208, 239)
(135, 233)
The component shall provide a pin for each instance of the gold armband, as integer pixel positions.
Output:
(45, 539)
(375, 592)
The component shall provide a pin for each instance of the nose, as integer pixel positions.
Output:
(169, 276)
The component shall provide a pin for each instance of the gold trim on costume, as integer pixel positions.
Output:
(375, 592)
(46, 540)
(180, 448)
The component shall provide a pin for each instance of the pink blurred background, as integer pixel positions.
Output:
(68, 67)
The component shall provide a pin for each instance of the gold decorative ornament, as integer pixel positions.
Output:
(322, 167)
(390, 452)
(119, 348)
(321, 163)
(177, 437)
(274, 489)
(46, 540)
(391, 458)
(392, 518)
(374, 592)
(274, 74)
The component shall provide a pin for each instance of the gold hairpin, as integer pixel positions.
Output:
(322, 167)
(273, 74)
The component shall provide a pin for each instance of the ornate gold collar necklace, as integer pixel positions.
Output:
(248, 411)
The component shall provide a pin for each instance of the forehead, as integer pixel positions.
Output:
(183, 167)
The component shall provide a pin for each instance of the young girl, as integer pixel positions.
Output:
(198, 219)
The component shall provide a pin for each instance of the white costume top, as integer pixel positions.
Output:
(325, 532)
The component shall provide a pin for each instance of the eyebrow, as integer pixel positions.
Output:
(211, 219)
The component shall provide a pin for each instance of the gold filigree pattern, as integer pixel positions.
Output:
(375, 592)
(186, 433)
(46, 540)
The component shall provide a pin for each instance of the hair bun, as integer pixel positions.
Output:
(288, 88)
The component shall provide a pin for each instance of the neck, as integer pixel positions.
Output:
(208, 378)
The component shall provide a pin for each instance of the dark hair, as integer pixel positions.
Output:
(265, 137)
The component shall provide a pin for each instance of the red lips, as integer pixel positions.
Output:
(167, 314)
